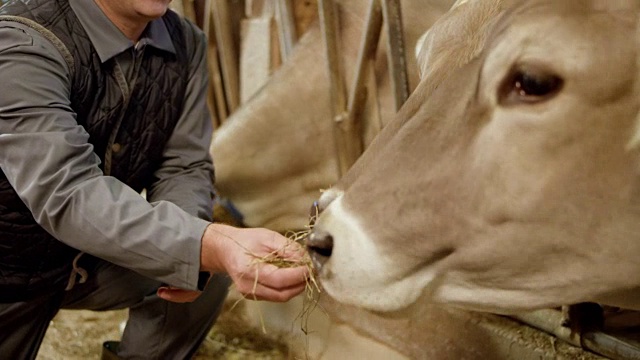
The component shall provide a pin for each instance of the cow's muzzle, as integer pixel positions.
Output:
(319, 244)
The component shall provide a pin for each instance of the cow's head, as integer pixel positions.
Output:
(511, 178)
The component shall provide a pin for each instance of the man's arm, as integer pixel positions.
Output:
(48, 160)
(185, 178)
(186, 174)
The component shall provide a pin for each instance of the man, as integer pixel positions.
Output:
(99, 101)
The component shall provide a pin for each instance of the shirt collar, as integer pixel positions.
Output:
(108, 40)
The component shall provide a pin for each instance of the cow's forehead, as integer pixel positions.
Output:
(624, 13)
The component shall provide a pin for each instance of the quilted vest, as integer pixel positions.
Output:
(128, 129)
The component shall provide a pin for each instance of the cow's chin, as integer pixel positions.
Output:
(359, 274)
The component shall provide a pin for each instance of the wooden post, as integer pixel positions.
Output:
(227, 52)
(342, 137)
(366, 56)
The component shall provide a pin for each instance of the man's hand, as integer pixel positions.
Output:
(238, 251)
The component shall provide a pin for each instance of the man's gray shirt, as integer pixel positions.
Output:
(49, 161)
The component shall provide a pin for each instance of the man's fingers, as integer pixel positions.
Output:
(286, 248)
(268, 282)
(277, 278)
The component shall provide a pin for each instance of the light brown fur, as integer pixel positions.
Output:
(482, 199)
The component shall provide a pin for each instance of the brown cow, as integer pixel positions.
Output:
(424, 332)
(510, 179)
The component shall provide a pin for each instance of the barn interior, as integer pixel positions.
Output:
(249, 42)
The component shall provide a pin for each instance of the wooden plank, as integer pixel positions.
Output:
(255, 55)
(305, 14)
(199, 8)
(177, 6)
(227, 52)
(206, 20)
(364, 68)
(218, 115)
(215, 79)
(258, 8)
(189, 10)
(216, 101)
(345, 138)
(275, 57)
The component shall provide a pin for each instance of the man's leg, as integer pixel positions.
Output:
(23, 325)
(169, 330)
(156, 329)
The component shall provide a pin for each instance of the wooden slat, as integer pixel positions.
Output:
(217, 104)
(206, 19)
(344, 135)
(215, 99)
(364, 67)
(305, 14)
(215, 79)
(178, 7)
(255, 55)
(227, 52)
(189, 10)
(258, 8)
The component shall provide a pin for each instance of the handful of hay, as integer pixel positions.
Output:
(312, 289)
(296, 237)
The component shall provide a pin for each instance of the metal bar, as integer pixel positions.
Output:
(550, 321)
(286, 27)
(396, 51)
(609, 346)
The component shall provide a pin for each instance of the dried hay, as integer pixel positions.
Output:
(312, 289)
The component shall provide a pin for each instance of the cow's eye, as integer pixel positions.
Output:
(529, 86)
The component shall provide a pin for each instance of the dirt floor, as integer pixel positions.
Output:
(78, 335)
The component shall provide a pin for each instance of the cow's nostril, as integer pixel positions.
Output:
(320, 247)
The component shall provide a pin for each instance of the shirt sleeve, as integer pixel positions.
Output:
(48, 160)
(185, 177)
